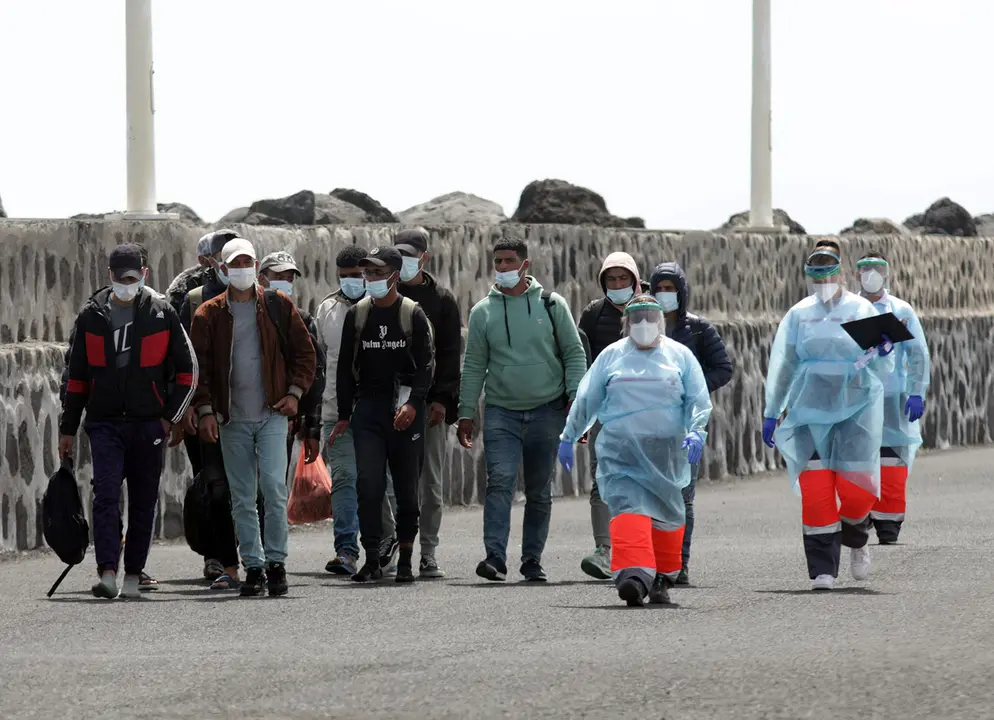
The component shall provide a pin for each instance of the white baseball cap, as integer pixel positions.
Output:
(236, 247)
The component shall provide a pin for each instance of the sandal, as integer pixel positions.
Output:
(225, 582)
(147, 583)
(213, 569)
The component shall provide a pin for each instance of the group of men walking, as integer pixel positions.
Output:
(229, 365)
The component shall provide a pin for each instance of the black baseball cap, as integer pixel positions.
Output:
(411, 242)
(384, 256)
(126, 262)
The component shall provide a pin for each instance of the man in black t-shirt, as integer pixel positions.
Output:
(385, 370)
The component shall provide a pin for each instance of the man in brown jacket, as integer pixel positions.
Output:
(256, 361)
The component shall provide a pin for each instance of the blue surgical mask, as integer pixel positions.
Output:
(621, 295)
(378, 289)
(508, 279)
(219, 273)
(668, 301)
(411, 268)
(352, 288)
(284, 285)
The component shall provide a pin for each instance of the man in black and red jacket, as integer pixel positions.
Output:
(133, 370)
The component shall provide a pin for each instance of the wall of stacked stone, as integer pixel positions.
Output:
(742, 283)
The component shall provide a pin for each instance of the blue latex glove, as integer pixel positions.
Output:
(566, 455)
(694, 446)
(769, 427)
(886, 347)
(914, 408)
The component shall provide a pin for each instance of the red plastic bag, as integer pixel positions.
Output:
(310, 496)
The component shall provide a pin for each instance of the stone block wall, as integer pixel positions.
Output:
(742, 283)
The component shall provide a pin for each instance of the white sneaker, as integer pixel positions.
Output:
(859, 563)
(823, 582)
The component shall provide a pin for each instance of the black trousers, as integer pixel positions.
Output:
(377, 444)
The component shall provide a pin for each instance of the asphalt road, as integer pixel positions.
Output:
(750, 640)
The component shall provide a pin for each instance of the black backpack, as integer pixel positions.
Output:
(63, 521)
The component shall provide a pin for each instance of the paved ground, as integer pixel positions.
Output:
(749, 641)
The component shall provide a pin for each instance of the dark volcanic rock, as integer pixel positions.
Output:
(296, 209)
(455, 208)
(944, 217)
(309, 208)
(561, 203)
(984, 223)
(635, 222)
(375, 213)
(235, 216)
(875, 226)
(780, 217)
(185, 212)
(2, 213)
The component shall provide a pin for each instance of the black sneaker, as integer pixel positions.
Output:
(683, 578)
(633, 592)
(369, 572)
(492, 569)
(533, 572)
(276, 580)
(388, 552)
(405, 573)
(659, 594)
(255, 583)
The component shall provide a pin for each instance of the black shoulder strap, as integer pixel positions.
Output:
(549, 302)
(274, 308)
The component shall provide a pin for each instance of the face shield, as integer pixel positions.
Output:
(643, 322)
(823, 272)
(874, 275)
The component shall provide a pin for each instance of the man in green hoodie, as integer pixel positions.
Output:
(524, 347)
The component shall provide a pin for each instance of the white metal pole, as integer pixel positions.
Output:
(761, 206)
(141, 125)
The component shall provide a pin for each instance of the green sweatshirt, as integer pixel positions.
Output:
(512, 349)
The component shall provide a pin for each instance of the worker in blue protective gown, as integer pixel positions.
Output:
(831, 436)
(904, 399)
(650, 396)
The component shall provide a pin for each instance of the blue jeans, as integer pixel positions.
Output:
(510, 439)
(255, 454)
(340, 459)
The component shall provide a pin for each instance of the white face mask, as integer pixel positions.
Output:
(826, 291)
(644, 333)
(508, 279)
(241, 278)
(410, 269)
(127, 292)
(668, 301)
(872, 281)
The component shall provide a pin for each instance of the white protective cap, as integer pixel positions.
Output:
(236, 247)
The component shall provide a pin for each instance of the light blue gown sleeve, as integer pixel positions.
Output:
(589, 398)
(696, 398)
(919, 363)
(783, 365)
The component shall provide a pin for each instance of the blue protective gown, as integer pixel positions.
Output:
(646, 401)
(833, 409)
(910, 377)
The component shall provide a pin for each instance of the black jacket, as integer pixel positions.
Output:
(212, 288)
(695, 332)
(309, 406)
(192, 277)
(161, 353)
(443, 312)
(600, 321)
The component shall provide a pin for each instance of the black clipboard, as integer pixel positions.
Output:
(868, 332)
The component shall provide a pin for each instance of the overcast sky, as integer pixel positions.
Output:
(879, 106)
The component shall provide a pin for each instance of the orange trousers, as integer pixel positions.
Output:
(893, 493)
(639, 544)
(834, 512)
